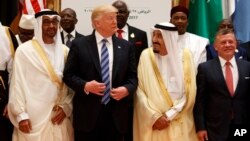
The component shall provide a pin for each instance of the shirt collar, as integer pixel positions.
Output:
(223, 61)
(125, 29)
(73, 33)
(99, 38)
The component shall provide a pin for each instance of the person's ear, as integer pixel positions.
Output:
(128, 13)
(215, 46)
(76, 20)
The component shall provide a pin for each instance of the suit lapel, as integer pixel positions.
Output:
(116, 58)
(77, 35)
(131, 35)
(220, 76)
(62, 37)
(240, 73)
(94, 52)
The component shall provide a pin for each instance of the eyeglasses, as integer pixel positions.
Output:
(47, 22)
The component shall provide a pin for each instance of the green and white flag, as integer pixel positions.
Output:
(204, 17)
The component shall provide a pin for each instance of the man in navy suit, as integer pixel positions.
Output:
(139, 40)
(93, 119)
(68, 22)
(222, 99)
(132, 34)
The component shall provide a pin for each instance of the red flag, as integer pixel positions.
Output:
(32, 6)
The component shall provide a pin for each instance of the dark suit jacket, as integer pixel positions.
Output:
(139, 40)
(78, 35)
(83, 65)
(214, 107)
(246, 46)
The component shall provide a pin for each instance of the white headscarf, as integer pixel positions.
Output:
(170, 65)
(27, 21)
(59, 51)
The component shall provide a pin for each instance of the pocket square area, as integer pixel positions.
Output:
(247, 77)
(138, 43)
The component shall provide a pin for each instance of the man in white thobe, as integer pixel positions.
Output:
(25, 28)
(166, 90)
(39, 104)
(196, 44)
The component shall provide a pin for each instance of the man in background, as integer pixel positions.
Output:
(125, 31)
(139, 40)
(25, 28)
(197, 44)
(68, 22)
(246, 46)
(240, 52)
(8, 44)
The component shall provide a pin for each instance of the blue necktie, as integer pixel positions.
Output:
(105, 71)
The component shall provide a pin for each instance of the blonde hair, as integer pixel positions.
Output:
(102, 9)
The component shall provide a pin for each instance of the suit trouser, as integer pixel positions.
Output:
(105, 129)
(6, 129)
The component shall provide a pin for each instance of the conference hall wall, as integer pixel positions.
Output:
(144, 13)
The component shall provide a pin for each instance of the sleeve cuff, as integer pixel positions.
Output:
(22, 116)
(171, 114)
(86, 92)
(156, 116)
(67, 109)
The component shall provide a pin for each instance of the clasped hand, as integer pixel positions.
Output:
(161, 123)
(59, 115)
(99, 88)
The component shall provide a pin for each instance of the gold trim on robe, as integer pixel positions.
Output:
(152, 101)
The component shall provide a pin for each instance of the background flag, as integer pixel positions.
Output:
(241, 20)
(32, 6)
(204, 17)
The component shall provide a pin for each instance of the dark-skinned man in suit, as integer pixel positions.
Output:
(68, 22)
(130, 33)
(139, 40)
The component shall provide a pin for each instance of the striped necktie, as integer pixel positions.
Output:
(68, 43)
(105, 71)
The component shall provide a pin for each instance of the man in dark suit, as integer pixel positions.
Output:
(68, 22)
(132, 34)
(101, 100)
(139, 40)
(222, 99)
